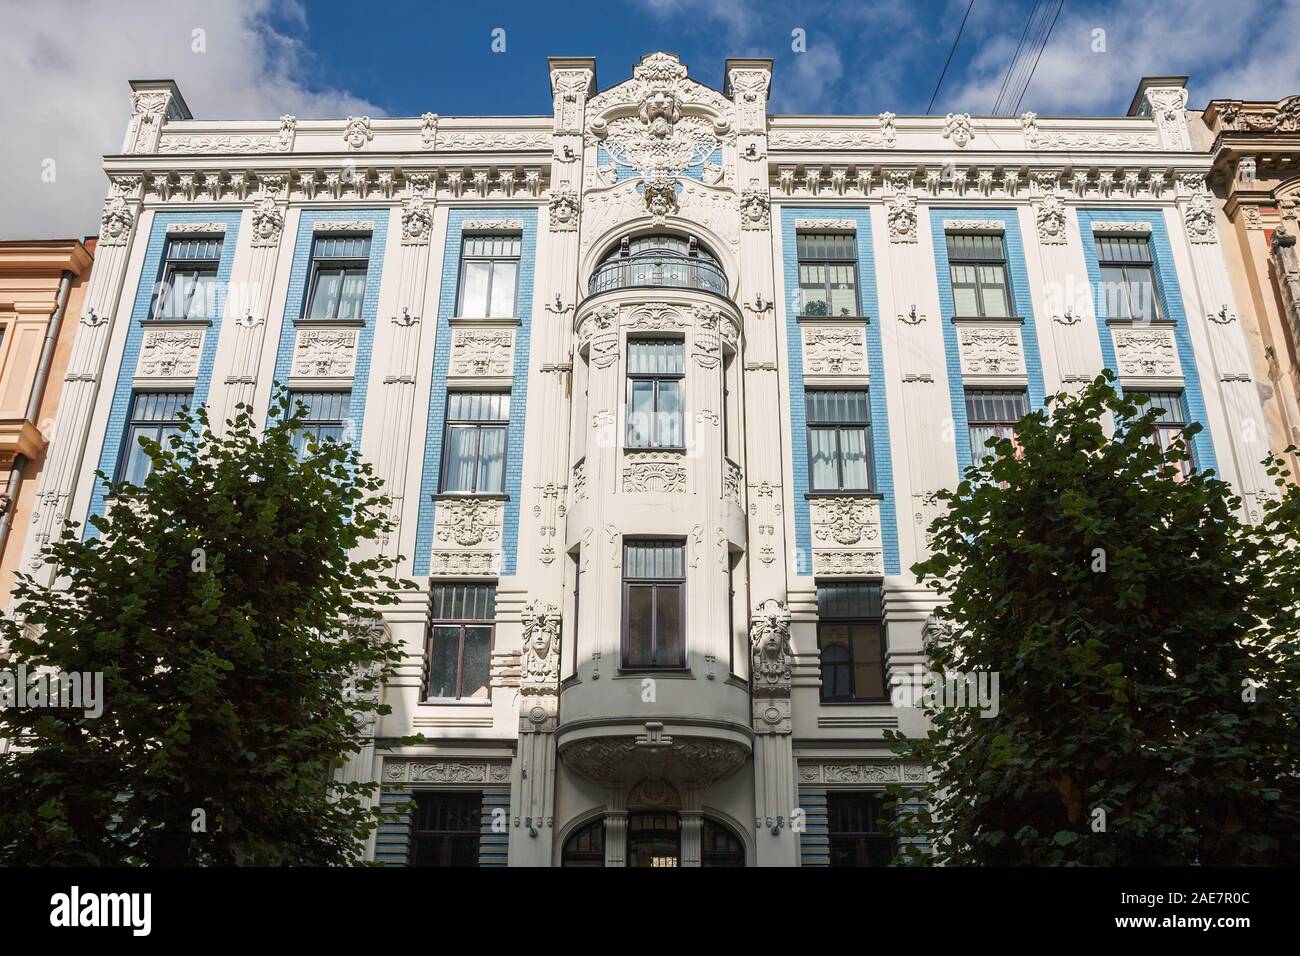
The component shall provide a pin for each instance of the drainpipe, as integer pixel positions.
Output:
(10, 499)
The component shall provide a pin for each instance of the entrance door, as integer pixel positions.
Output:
(654, 839)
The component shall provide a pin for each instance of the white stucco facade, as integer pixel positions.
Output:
(567, 731)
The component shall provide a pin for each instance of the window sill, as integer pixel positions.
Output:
(846, 493)
(633, 673)
(988, 319)
(156, 323)
(483, 320)
(848, 319)
(864, 702)
(482, 496)
(1153, 323)
(307, 321)
(456, 702)
(665, 449)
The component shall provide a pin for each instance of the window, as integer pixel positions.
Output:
(1170, 425)
(338, 277)
(475, 458)
(851, 637)
(654, 839)
(992, 413)
(719, 846)
(977, 263)
(655, 371)
(189, 282)
(654, 604)
(1128, 278)
(459, 655)
(445, 829)
(839, 450)
(828, 273)
(154, 415)
(856, 836)
(489, 272)
(326, 417)
(586, 847)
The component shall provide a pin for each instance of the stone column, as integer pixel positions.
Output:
(774, 786)
(533, 775)
(692, 822)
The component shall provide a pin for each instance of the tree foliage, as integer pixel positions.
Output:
(1145, 638)
(230, 603)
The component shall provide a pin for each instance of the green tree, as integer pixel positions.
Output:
(1145, 640)
(228, 607)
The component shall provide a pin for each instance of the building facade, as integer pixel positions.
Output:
(662, 386)
(1255, 150)
(41, 283)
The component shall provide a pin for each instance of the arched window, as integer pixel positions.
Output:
(837, 673)
(671, 261)
(586, 847)
(719, 846)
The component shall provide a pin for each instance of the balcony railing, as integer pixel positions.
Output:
(667, 270)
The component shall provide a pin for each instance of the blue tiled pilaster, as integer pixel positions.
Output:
(518, 392)
(150, 275)
(1171, 305)
(1019, 277)
(295, 300)
(876, 393)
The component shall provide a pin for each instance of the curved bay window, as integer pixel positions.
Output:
(666, 261)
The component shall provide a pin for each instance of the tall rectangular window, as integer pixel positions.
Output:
(489, 274)
(656, 369)
(851, 638)
(459, 655)
(839, 445)
(189, 281)
(154, 415)
(326, 414)
(992, 413)
(474, 460)
(1128, 279)
(445, 828)
(977, 263)
(338, 277)
(1170, 425)
(828, 273)
(654, 604)
(857, 835)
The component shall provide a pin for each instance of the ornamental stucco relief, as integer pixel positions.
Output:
(170, 353)
(324, 353)
(991, 351)
(482, 352)
(468, 521)
(833, 350)
(1145, 352)
(842, 521)
(654, 473)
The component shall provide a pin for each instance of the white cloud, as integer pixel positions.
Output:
(67, 99)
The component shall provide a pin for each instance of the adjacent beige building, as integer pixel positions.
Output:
(42, 281)
(1255, 147)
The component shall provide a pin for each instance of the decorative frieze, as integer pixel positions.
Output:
(450, 771)
(834, 350)
(170, 353)
(975, 225)
(1125, 228)
(465, 563)
(324, 352)
(990, 350)
(1145, 352)
(845, 521)
(848, 563)
(834, 772)
(654, 473)
(480, 352)
(468, 522)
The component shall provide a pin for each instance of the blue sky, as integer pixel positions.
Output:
(67, 63)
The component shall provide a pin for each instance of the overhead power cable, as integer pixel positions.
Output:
(955, 41)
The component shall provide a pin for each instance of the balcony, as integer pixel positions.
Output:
(659, 270)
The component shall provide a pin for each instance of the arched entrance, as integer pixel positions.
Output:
(654, 839)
